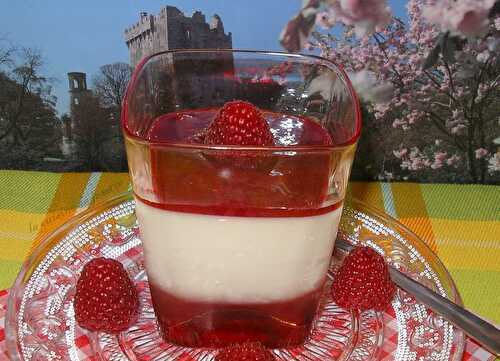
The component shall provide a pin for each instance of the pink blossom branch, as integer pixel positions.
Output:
(482, 143)
(296, 32)
(446, 106)
(450, 76)
(476, 89)
(471, 130)
(381, 47)
(437, 85)
(439, 123)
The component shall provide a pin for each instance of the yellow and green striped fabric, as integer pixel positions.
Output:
(461, 223)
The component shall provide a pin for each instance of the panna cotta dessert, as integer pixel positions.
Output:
(238, 201)
(237, 243)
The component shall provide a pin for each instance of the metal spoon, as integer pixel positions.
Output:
(483, 332)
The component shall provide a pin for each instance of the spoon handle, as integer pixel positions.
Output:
(483, 332)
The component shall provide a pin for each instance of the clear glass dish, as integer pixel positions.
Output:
(40, 322)
(209, 210)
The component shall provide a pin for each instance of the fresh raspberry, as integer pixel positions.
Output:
(249, 351)
(363, 281)
(239, 123)
(105, 299)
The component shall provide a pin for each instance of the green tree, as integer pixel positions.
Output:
(6, 52)
(110, 85)
(92, 130)
(29, 128)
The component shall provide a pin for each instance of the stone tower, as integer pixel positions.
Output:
(77, 91)
(77, 88)
(171, 29)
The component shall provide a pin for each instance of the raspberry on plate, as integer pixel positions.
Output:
(239, 123)
(363, 281)
(250, 351)
(105, 299)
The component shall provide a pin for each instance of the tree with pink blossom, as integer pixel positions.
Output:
(430, 84)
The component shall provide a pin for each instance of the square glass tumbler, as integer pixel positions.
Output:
(238, 239)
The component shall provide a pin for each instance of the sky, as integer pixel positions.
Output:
(83, 35)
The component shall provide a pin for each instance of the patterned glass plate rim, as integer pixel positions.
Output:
(40, 321)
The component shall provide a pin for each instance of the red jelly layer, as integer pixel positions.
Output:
(195, 324)
(235, 179)
(287, 130)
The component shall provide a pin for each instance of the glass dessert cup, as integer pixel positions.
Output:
(238, 239)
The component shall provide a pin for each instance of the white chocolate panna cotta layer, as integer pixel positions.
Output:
(209, 258)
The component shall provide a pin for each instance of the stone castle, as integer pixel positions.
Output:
(171, 29)
(197, 83)
(168, 30)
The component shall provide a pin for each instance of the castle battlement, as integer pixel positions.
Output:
(145, 23)
(199, 17)
(171, 29)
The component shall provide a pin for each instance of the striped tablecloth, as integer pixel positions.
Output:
(461, 223)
